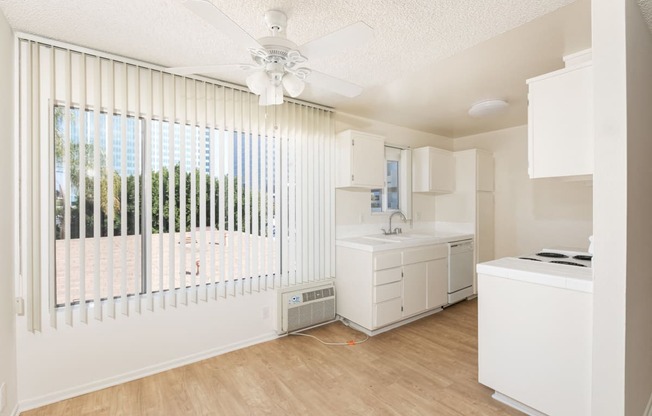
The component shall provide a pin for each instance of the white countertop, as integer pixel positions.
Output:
(548, 274)
(380, 242)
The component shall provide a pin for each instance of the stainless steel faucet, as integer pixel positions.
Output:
(396, 230)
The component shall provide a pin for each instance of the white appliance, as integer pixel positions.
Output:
(561, 257)
(460, 270)
(306, 305)
(534, 331)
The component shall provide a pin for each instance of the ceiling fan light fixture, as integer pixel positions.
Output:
(487, 107)
(293, 85)
(271, 95)
(258, 82)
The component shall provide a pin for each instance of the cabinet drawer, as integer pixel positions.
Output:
(387, 260)
(387, 312)
(386, 292)
(417, 255)
(382, 277)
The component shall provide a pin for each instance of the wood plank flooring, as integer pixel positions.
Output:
(428, 367)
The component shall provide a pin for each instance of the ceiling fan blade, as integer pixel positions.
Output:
(347, 37)
(210, 13)
(208, 69)
(327, 82)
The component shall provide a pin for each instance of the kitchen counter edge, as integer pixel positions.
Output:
(361, 243)
(545, 274)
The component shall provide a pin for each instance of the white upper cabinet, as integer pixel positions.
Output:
(360, 159)
(484, 172)
(560, 120)
(433, 170)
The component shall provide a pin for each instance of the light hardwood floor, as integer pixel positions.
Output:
(428, 367)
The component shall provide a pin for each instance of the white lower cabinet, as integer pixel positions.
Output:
(415, 284)
(437, 275)
(387, 312)
(378, 289)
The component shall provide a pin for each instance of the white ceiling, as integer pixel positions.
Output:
(428, 62)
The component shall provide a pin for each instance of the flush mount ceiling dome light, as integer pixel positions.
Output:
(487, 108)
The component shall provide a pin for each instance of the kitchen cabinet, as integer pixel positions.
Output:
(560, 121)
(433, 170)
(484, 171)
(376, 290)
(534, 340)
(415, 284)
(360, 159)
(471, 205)
(437, 283)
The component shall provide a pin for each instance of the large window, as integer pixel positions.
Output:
(154, 186)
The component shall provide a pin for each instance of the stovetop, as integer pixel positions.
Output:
(562, 257)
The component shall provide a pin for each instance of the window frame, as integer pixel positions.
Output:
(403, 156)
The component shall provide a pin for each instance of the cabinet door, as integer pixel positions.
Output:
(387, 312)
(414, 288)
(560, 124)
(484, 172)
(367, 161)
(484, 239)
(442, 171)
(437, 272)
(433, 170)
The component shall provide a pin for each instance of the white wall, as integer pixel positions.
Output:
(610, 206)
(353, 207)
(638, 342)
(62, 363)
(622, 328)
(531, 214)
(7, 321)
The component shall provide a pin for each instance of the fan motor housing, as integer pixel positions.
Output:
(276, 20)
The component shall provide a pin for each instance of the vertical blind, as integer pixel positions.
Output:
(140, 189)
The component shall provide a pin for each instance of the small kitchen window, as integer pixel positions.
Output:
(394, 195)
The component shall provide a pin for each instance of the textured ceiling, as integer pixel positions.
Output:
(428, 62)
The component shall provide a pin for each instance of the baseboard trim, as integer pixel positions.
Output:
(15, 412)
(516, 404)
(137, 374)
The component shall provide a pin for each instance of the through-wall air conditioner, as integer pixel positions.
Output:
(305, 305)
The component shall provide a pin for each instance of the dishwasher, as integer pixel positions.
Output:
(460, 270)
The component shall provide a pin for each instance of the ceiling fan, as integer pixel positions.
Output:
(278, 62)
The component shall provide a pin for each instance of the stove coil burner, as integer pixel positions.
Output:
(528, 258)
(583, 257)
(552, 255)
(568, 263)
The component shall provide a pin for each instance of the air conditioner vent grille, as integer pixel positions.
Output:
(303, 308)
(318, 294)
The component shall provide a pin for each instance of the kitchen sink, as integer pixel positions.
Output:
(396, 238)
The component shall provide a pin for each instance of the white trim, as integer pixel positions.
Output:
(516, 404)
(18, 289)
(143, 372)
(150, 65)
(15, 412)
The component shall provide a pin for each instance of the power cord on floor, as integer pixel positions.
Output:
(337, 344)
